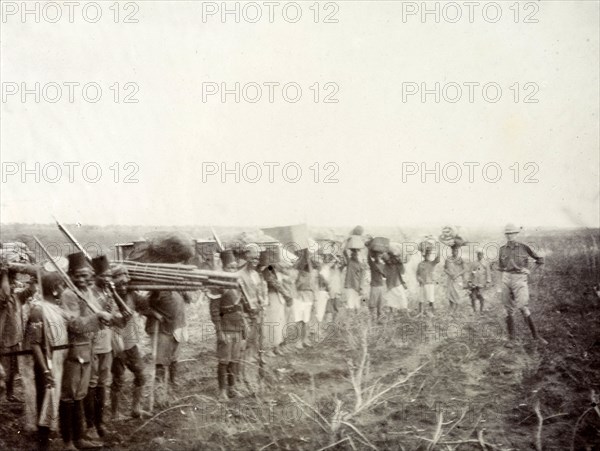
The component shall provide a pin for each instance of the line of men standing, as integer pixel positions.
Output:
(80, 340)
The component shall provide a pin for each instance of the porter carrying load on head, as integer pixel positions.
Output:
(454, 268)
(377, 247)
(277, 298)
(425, 278)
(395, 296)
(307, 289)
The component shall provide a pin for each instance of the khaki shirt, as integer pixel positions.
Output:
(82, 327)
(514, 257)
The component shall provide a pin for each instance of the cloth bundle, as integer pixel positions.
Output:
(255, 236)
(164, 248)
(255, 239)
(325, 235)
(355, 242)
(428, 243)
(379, 244)
(395, 249)
(451, 236)
(328, 249)
(16, 252)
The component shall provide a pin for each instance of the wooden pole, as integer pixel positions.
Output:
(154, 352)
(162, 288)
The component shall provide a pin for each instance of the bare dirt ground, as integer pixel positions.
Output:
(410, 383)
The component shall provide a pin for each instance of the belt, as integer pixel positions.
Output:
(53, 348)
(78, 360)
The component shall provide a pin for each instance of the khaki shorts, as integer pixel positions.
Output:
(101, 375)
(515, 293)
(75, 381)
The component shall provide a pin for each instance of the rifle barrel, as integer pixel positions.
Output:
(65, 277)
(72, 239)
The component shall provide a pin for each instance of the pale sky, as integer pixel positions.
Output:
(368, 134)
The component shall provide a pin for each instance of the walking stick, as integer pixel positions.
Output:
(154, 352)
(261, 350)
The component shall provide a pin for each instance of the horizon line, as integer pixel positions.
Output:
(250, 226)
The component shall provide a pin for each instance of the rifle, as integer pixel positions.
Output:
(240, 281)
(122, 306)
(246, 297)
(66, 279)
(217, 240)
(72, 239)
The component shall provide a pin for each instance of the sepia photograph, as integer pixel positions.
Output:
(300, 225)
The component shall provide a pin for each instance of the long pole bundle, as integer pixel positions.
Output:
(176, 277)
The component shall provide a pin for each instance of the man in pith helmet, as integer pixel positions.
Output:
(513, 262)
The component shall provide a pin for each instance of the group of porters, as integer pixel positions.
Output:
(82, 327)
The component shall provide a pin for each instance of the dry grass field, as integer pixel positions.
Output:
(409, 383)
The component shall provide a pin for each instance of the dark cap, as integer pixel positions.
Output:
(77, 261)
(100, 264)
